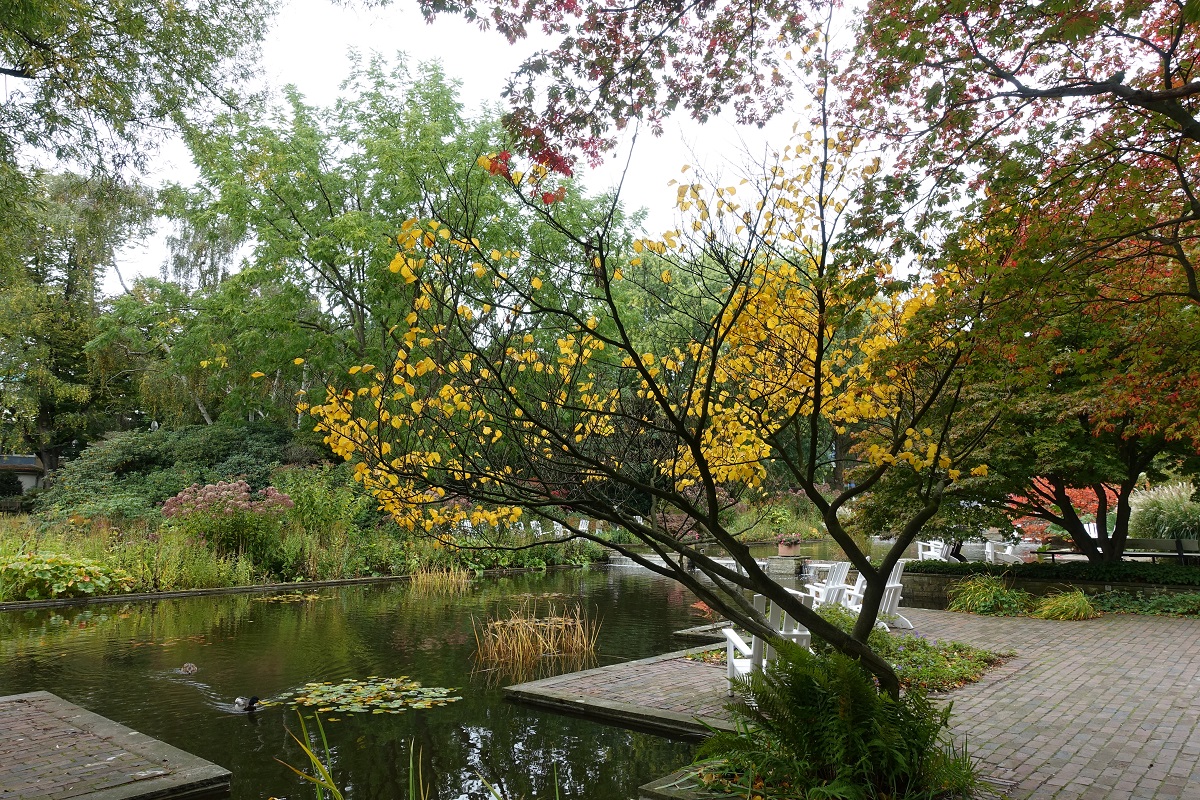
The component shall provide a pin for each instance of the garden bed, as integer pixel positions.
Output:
(928, 588)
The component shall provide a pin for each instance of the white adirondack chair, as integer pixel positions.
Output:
(1009, 555)
(889, 606)
(853, 597)
(583, 525)
(933, 551)
(992, 553)
(535, 527)
(742, 657)
(833, 588)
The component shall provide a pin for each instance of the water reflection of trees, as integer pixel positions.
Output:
(242, 645)
(522, 755)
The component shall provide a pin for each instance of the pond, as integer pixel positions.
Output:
(122, 661)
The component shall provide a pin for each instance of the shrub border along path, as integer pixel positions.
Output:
(1101, 709)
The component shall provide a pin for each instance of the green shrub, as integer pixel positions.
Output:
(1066, 572)
(43, 576)
(988, 594)
(815, 726)
(1165, 512)
(10, 485)
(224, 517)
(783, 515)
(151, 466)
(1064, 605)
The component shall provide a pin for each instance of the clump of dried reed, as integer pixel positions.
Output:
(454, 580)
(524, 638)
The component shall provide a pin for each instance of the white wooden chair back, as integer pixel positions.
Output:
(742, 657)
(837, 573)
(935, 550)
(852, 599)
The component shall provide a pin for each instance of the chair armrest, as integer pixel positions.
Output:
(735, 645)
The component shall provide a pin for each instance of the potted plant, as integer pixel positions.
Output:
(789, 544)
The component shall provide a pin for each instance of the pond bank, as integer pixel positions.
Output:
(261, 588)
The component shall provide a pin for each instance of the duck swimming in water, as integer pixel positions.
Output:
(246, 704)
(188, 669)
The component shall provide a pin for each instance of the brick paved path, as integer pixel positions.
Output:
(1105, 709)
(50, 748)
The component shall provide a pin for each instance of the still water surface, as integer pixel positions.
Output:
(122, 661)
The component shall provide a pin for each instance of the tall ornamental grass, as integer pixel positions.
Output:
(1165, 512)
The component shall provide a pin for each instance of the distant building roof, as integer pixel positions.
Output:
(31, 464)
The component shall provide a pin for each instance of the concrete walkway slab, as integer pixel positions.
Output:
(53, 750)
(1103, 709)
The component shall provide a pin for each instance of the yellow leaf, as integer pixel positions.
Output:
(536, 283)
(257, 375)
(297, 361)
(666, 276)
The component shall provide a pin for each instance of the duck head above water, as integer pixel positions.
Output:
(246, 704)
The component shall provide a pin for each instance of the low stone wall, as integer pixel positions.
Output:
(929, 591)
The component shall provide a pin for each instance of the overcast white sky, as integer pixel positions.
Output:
(308, 47)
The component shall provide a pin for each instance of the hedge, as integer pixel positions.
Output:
(1115, 572)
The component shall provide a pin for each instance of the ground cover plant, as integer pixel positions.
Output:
(40, 576)
(817, 726)
(1173, 604)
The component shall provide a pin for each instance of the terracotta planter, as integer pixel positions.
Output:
(789, 549)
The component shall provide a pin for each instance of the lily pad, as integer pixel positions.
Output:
(374, 694)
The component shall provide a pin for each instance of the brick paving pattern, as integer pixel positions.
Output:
(1103, 709)
(52, 749)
